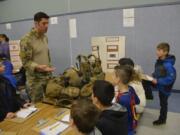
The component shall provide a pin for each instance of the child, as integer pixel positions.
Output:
(4, 46)
(84, 116)
(8, 72)
(165, 76)
(126, 95)
(136, 84)
(9, 102)
(113, 118)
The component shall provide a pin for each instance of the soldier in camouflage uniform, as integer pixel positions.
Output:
(36, 58)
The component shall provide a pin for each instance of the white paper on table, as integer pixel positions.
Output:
(54, 129)
(25, 112)
(66, 118)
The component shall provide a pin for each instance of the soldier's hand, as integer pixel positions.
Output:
(41, 68)
(50, 69)
(44, 68)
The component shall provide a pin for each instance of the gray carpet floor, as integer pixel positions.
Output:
(151, 113)
(145, 126)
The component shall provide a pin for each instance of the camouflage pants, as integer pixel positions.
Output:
(36, 88)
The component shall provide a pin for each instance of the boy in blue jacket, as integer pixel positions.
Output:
(164, 78)
(8, 72)
(9, 100)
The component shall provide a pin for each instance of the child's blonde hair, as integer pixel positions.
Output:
(126, 73)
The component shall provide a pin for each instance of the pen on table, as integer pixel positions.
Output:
(43, 123)
(54, 126)
(65, 122)
(60, 113)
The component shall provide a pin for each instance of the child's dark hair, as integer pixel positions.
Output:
(104, 92)
(126, 61)
(5, 37)
(164, 46)
(3, 57)
(125, 73)
(129, 62)
(38, 16)
(84, 114)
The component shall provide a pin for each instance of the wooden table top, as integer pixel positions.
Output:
(25, 128)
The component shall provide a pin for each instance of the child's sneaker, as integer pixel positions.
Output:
(159, 122)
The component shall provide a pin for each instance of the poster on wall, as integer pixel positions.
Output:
(72, 28)
(113, 56)
(110, 50)
(14, 54)
(128, 17)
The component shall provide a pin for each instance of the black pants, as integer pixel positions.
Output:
(147, 85)
(164, 106)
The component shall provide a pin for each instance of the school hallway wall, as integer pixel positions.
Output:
(152, 25)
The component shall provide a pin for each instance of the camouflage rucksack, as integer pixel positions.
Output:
(73, 76)
(96, 68)
(84, 67)
(95, 64)
(59, 93)
(54, 87)
(86, 90)
(74, 83)
(57, 87)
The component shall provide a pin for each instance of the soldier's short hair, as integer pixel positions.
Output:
(85, 115)
(104, 92)
(164, 46)
(39, 15)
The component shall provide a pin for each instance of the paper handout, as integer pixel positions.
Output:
(66, 118)
(54, 129)
(25, 112)
(147, 77)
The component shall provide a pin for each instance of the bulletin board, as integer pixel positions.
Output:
(14, 46)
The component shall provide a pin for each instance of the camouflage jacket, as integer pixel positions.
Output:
(34, 51)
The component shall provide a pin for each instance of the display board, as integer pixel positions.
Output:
(110, 49)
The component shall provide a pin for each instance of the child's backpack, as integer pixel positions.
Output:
(132, 107)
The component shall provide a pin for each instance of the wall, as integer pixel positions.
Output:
(152, 25)
(13, 10)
